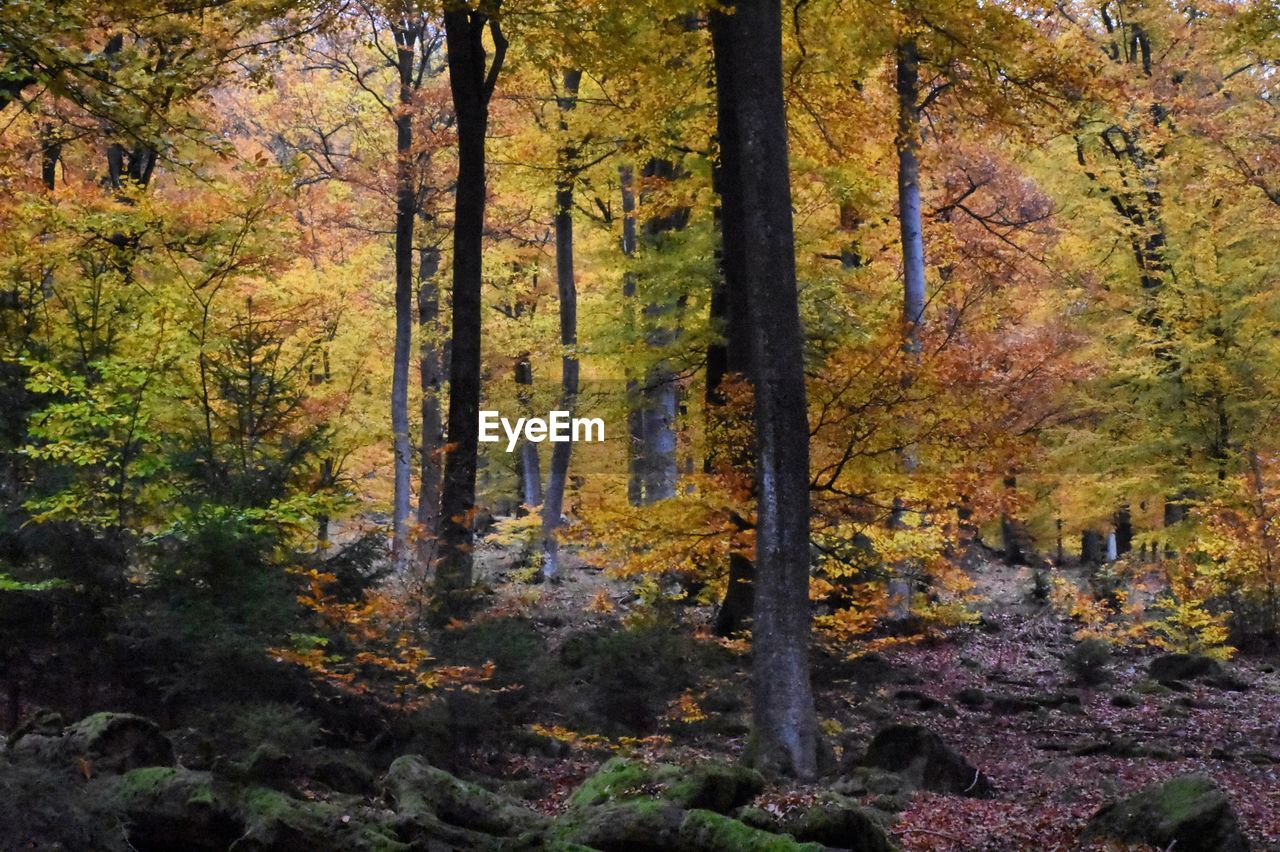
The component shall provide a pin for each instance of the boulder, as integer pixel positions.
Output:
(101, 743)
(632, 806)
(165, 808)
(1182, 667)
(925, 761)
(423, 791)
(718, 787)
(833, 821)
(1189, 814)
(275, 822)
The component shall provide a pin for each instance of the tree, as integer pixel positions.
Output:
(471, 80)
(753, 139)
(566, 287)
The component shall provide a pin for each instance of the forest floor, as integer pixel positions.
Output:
(997, 692)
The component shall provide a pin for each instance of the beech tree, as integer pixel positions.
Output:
(473, 75)
(752, 127)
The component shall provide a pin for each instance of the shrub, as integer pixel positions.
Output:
(1088, 660)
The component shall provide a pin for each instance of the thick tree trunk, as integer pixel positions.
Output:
(431, 374)
(730, 354)
(753, 138)
(566, 288)
(406, 214)
(471, 84)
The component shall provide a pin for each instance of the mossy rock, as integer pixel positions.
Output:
(275, 822)
(869, 780)
(1182, 667)
(106, 742)
(707, 831)
(832, 821)
(713, 786)
(165, 808)
(419, 789)
(925, 761)
(1189, 813)
(633, 825)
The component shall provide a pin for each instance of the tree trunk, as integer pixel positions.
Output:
(635, 416)
(530, 464)
(566, 288)
(471, 84)
(909, 217)
(730, 354)
(659, 394)
(406, 214)
(1092, 547)
(753, 138)
(1124, 529)
(431, 373)
(911, 231)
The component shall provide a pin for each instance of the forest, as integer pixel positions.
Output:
(708, 426)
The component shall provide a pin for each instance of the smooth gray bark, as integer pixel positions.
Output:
(567, 290)
(753, 138)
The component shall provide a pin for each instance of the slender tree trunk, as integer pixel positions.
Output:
(530, 465)
(753, 137)
(471, 81)
(406, 214)
(566, 288)
(659, 393)
(431, 375)
(635, 416)
(909, 216)
(911, 230)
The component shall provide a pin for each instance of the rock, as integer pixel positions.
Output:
(1112, 747)
(1182, 667)
(707, 831)
(275, 822)
(1008, 705)
(421, 790)
(1189, 814)
(166, 808)
(833, 821)
(622, 826)
(42, 722)
(925, 761)
(630, 805)
(924, 703)
(867, 780)
(710, 786)
(101, 743)
(1057, 701)
(340, 771)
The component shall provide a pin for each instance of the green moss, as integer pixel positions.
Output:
(1181, 797)
(419, 788)
(707, 831)
(620, 778)
(719, 787)
(148, 780)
